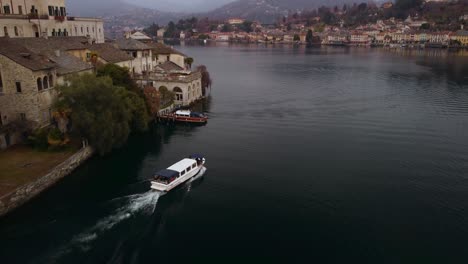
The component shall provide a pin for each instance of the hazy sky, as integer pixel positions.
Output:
(180, 5)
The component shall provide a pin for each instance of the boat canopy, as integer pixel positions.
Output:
(167, 173)
(182, 165)
(196, 156)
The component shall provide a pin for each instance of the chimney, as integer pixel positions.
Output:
(57, 53)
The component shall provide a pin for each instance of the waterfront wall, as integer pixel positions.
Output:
(25, 193)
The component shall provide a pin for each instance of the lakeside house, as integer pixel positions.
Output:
(29, 72)
(139, 51)
(45, 18)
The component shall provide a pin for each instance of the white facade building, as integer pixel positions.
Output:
(43, 18)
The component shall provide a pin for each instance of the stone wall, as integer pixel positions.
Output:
(27, 192)
(31, 102)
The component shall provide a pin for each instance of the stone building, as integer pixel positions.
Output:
(29, 74)
(162, 53)
(185, 84)
(141, 53)
(107, 53)
(45, 18)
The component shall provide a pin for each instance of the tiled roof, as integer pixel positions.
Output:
(54, 43)
(69, 64)
(159, 48)
(42, 54)
(109, 53)
(24, 56)
(131, 44)
(170, 66)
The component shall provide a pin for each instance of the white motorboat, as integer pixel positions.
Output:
(182, 171)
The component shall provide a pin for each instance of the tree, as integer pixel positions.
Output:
(297, 37)
(206, 78)
(120, 76)
(309, 37)
(226, 28)
(152, 30)
(189, 62)
(101, 112)
(167, 97)
(246, 26)
(171, 30)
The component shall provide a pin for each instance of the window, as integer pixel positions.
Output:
(81, 30)
(62, 11)
(39, 84)
(20, 10)
(193, 166)
(1, 120)
(23, 116)
(45, 83)
(93, 29)
(16, 31)
(135, 54)
(56, 11)
(59, 32)
(51, 11)
(53, 33)
(65, 33)
(6, 9)
(5, 31)
(182, 173)
(1, 83)
(18, 87)
(76, 31)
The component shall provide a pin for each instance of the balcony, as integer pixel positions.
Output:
(60, 18)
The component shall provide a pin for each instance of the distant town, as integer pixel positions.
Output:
(437, 24)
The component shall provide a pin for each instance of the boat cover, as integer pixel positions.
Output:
(167, 173)
(196, 156)
(196, 114)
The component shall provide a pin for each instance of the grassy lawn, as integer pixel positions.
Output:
(20, 165)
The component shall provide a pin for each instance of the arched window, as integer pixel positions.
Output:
(51, 81)
(5, 31)
(45, 83)
(179, 94)
(53, 33)
(39, 84)
(16, 31)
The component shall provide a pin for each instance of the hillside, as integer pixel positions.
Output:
(268, 10)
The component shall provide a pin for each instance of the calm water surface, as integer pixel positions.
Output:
(324, 155)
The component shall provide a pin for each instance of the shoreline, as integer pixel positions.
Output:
(23, 194)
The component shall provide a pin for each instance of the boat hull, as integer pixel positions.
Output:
(166, 188)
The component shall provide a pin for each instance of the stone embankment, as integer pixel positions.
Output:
(25, 193)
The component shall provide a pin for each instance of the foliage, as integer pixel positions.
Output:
(120, 76)
(206, 78)
(189, 61)
(226, 28)
(297, 37)
(309, 37)
(167, 97)
(101, 112)
(39, 139)
(171, 31)
(246, 26)
(203, 36)
(152, 30)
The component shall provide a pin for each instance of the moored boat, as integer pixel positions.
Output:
(190, 116)
(167, 179)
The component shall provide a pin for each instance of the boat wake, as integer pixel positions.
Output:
(139, 203)
(127, 207)
(131, 205)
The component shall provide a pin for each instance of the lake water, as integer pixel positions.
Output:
(323, 155)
